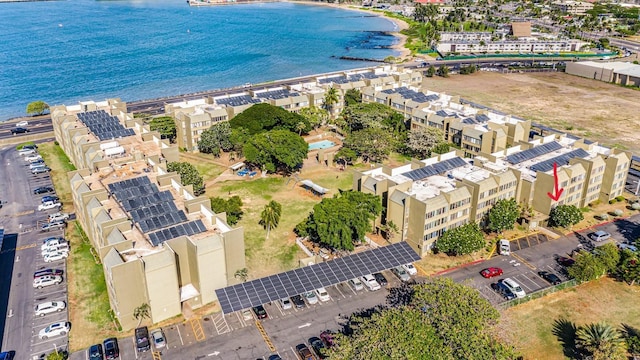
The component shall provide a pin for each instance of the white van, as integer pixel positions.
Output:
(504, 247)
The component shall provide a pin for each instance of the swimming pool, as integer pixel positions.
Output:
(324, 144)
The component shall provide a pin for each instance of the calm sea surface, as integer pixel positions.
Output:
(65, 51)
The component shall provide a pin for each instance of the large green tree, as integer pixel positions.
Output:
(629, 269)
(215, 139)
(352, 96)
(188, 175)
(270, 216)
(503, 215)
(315, 116)
(231, 206)
(439, 319)
(587, 267)
(600, 341)
(371, 144)
(276, 150)
(166, 126)
(265, 117)
(342, 220)
(422, 140)
(565, 216)
(365, 115)
(37, 107)
(609, 256)
(461, 240)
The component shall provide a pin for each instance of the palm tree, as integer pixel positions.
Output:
(141, 312)
(330, 99)
(300, 126)
(270, 216)
(242, 274)
(601, 342)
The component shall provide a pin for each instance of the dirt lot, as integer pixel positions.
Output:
(592, 109)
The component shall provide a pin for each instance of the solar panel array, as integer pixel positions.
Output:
(103, 125)
(336, 80)
(152, 209)
(561, 160)
(416, 96)
(435, 169)
(534, 152)
(276, 94)
(308, 278)
(237, 100)
(188, 228)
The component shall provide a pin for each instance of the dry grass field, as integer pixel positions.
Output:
(529, 326)
(592, 109)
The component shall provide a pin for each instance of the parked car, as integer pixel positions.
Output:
(26, 152)
(298, 302)
(55, 329)
(599, 235)
(260, 312)
(488, 273)
(46, 280)
(45, 272)
(32, 157)
(111, 349)
(59, 216)
(142, 339)
(550, 277)
(401, 273)
(55, 225)
(159, 341)
(50, 307)
(370, 282)
(317, 345)
(19, 130)
(627, 245)
(327, 338)
(565, 261)
(43, 189)
(53, 240)
(48, 198)
(40, 170)
(49, 205)
(274, 357)
(22, 123)
(356, 284)
(304, 353)
(95, 352)
(286, 304)
(322, 294)
(381, 279)
(55, 256)
(514, 287)
(504, 247)
(409, 268)
(311, 297)
(503, 290)
(29, 146)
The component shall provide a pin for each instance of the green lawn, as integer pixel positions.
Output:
(60, 164)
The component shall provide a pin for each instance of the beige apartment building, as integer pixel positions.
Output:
(425, 198)
(158, 243)
(573, 7)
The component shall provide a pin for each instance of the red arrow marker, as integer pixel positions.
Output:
(558, 191)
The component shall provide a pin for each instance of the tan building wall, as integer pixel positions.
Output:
(600, 73)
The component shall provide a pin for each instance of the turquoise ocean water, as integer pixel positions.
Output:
(66, 51)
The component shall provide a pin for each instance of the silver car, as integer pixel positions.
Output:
(401, 273)
(158, 339)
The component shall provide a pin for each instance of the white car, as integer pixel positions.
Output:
(53, 240)
(51, 248)
(322, 294)
(49, 205)
(32, 157)
(22, 123)
(370, 282)
(514, 287)
(55, 329)
(46, 280)
(25, 152)
(410, 269)
(59, 216)
(50, 307)
(286, 304)
(311, 297)
(55, 256)
(356, 284)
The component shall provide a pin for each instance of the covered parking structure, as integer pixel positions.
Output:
(294, 282)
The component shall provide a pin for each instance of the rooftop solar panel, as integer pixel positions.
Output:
(104, 126)
(298, 281)
(534, 152)
(561, 160)
(435, 169)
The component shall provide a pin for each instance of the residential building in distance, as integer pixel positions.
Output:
(573, 7)
(425, 198)
(528, 45)
(617, 72)
(158, 243)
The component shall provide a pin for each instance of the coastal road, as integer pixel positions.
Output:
(37, 124)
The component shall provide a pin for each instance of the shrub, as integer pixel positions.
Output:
(612, 201)
(620, 198)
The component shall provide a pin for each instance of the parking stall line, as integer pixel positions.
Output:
(340, 292)
(523, 284)
(133, 346)
(180, 335)
(37, 294)
(533, 279)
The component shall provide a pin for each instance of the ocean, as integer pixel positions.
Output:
(66, 51)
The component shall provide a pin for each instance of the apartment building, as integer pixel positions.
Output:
(158, 243)
(573, 7)
(425, 198)
(195, 116)
(473, 130)
(510, 46)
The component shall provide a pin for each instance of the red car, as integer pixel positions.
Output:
(491, 272)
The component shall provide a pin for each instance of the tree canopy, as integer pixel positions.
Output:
(276, 150)
(503, 215)
(342, 220)
(439, 319)
(365, 115)
(216, 138)
(587, 267)
(231, 206)
(565, 216)
(265, 117)
(37, 107)
(461, 240)
(629, 270)
(372, 144)
(352, 96)
(422, 140)
(315, 116)
(165, 125)
(188, 175)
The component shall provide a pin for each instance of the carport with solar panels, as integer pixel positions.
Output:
(262, 291)
(104, 126)
(154, 211)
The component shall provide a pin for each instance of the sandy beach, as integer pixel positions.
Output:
(405, 54)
